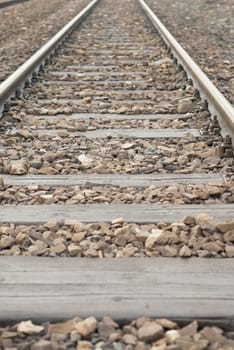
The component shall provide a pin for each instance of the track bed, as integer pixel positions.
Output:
(112, 154)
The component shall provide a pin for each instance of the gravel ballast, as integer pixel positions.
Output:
(140, 334)
(194, 236)
(25, 27)
(205, 29)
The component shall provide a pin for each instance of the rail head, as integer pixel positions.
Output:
(217, 103)
(8, 3)
(16, 80)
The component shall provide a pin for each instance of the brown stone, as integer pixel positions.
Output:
(212, 247)
(141, 235)
(225, 226)
(109, 322)
(165, 323)
(8, 334)
(150, 331)
(38, 248)
(185, 252)
(26, 134)
(18, 167)
(189, 220)
(204, 219)
(189, 330)
(168, 251)
(81, 127)
(78, 237)
(58, 248)
(1, 182)
(84, 345)
(63, 327)
(129, 339)
(229, 249)
(48, 170)
(87, 326)
(229, 236)
(73, 249)
(156, 237)
(186, 344)
(213, 335)
(126, 230)
(6, 242)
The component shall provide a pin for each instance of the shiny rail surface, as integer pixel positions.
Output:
(218, 105)
(16, 81)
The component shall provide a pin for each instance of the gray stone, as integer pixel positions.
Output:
(185, 106)
(44, 345)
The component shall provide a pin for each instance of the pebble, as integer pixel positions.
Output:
(185, 106)
(185, 252)
(84, 345)
(229, 236)
(189, 330)
(63, 327)
(44, 345)
(230, 251)
(168, 251)
(156, 236)
(87, 326)
(225, 226)
(17, 167)
(212, 247)
(84, 160)
(73, 249)
(6, 242)
(150, 331)
(28, 327)
(167, 324)
(172, 335)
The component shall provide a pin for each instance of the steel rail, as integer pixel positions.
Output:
(8, 3)
(218, 105)
(16, 80)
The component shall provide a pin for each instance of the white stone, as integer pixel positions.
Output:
(28, 327)
(84, 160)
(172, 335)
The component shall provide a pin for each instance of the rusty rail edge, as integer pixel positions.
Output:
(17, 80)
(218, 105)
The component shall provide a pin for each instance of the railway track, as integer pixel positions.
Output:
(10, 3)
(111, 153)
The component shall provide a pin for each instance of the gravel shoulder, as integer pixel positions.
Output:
(25, 27)
(205, 29)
